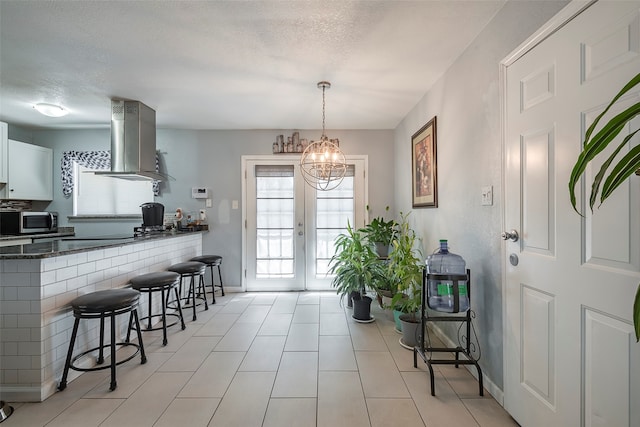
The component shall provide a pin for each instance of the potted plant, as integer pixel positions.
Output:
(386, 288)
(405, 267)
(381, 233)
(626, 166)
(355, 267)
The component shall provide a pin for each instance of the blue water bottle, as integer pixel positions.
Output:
(442, 291)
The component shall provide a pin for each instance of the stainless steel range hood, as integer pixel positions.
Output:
(133, 142)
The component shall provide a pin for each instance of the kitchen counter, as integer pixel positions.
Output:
(39, 280)
(8, 240)
(38, 236)
(70, 245)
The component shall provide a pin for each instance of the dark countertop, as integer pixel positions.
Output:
(69, 245)
(62, 232)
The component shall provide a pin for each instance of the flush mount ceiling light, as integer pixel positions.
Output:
(323, 164)
(51, 110)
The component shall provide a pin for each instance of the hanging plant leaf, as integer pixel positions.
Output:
(595, 187)
(630, 85)
(598, 179)
(636, 314)
(623, 170)
(593, 146)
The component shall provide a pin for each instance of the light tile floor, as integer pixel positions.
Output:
(271, 359)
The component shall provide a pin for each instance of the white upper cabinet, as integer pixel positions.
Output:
(3, 152)
(30, 172)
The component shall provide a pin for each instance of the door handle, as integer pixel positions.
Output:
(510, 235)
(300, 233)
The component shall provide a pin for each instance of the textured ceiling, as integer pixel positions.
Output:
(230, 64)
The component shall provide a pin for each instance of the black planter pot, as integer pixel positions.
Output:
(362, 308)
(351, 297)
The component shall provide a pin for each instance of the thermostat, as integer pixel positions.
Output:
(199, 193)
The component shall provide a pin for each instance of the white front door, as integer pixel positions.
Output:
(570, 352)
(290, 227)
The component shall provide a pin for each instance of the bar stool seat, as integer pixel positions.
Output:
(191, 269)
(212, 261)
(100, 305)
(163, 282)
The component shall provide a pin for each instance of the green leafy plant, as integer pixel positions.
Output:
(404, 268)
(381, 233)
(355, 265)
(385, 286)
(594, 144)
(636, 314)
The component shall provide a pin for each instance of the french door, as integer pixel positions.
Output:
(289, 226)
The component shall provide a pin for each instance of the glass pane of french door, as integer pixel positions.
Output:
(328, 213)
(290, 227)
(274, 226)
(275, 217)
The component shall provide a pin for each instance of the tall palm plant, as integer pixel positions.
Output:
(629, 164)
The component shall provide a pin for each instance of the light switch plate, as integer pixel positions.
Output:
(487, 195)
(209, 203)
(234, 204)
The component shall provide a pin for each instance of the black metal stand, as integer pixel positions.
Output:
(421, 350)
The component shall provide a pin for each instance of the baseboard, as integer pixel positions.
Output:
(19, 393)
(489, 385)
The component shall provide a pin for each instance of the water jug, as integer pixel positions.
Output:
(442, 292)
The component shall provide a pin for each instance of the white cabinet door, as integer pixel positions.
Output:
(30, 174)
(3, 152)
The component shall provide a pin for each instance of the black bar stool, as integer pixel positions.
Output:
(100, 305)
(163, 282)
(191, 269)
(212, 261)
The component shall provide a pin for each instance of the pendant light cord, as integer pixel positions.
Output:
(323, 103)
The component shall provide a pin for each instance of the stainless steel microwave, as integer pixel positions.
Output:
(12, 222)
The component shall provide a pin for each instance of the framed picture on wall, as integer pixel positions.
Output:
(424, 176)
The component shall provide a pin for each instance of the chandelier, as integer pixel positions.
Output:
(323, 164)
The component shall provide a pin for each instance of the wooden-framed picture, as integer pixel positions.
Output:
(424, 166)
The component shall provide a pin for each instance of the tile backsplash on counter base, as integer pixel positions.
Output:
(35, 316)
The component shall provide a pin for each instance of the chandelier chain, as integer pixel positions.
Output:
(323, 87)
(322, 163)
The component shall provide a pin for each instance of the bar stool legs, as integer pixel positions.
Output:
(67, 363)
(163, 282)
(99, 305)
(191, 269)
(193, 294)
(212, 261)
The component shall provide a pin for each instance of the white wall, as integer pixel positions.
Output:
(469, 155)
(211, 159)
(219, 166)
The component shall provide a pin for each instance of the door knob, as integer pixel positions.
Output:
(510, 235)
(300, 233)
